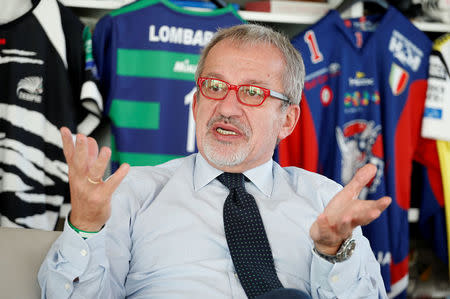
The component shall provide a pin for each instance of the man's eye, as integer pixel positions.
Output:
(254, 91)
(216, 86)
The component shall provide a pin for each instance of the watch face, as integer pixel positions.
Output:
(346, 251)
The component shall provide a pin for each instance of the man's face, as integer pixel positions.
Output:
(231, 136)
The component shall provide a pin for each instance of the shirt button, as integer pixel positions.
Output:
(334, 278)
(67, 286)
(235, 275)
(83, 252)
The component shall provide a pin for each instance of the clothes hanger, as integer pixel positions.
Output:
(219, 3)
(347, 3)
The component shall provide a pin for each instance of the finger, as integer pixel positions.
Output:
(97, 169)
(371, 210)
(68, 146)
(92, 151)
(81, 153)
(361, 178)
(114, 180)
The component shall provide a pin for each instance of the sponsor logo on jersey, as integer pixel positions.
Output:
(360, 142)
(436, 94)
(326, 95)
(437, 68)
(179, 35)
(184, 66)
(30, 89)
(360, 79)
(360, 99)
(398, 79)
(405, 51)
(322, 75)
(384, 258)
(432, 113)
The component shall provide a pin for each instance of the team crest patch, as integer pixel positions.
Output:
(360, 142)
(398, 79)
(326, 95)
(30, 89)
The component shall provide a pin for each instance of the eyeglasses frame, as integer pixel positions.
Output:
(267, 92)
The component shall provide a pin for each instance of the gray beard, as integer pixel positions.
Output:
(221, 159)
(212, 151)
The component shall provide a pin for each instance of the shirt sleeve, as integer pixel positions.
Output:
(78, 268)
(95, 267)
(357, 277)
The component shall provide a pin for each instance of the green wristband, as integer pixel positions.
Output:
(84, 234)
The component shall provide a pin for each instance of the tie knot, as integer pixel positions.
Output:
(231, 180)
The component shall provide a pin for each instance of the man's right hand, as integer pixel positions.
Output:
(90, 195)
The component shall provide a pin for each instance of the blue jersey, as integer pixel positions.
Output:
(147, 54)
(363, 101)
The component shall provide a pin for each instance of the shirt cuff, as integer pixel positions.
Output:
(81, 253)
(336, 278)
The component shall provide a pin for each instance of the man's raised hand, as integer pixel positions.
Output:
(345, 212)
(90, 195)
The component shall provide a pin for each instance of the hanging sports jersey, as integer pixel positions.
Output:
(436, 118)
(436, 124)
(147, 53)
(45, 73)
(363, 100)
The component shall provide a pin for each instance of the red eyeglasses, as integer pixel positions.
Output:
(249, 95)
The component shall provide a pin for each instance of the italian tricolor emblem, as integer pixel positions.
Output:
(398, 79)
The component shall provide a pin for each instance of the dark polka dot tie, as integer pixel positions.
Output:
(246, 238)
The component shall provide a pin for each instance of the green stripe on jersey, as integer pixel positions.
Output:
(156, 64)
(140, 159)
(114, 153)
(135, 115)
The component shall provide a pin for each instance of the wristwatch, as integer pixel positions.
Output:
(343, 254)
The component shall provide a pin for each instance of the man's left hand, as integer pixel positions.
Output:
(345, 212)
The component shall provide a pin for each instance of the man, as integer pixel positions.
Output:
(170, 231)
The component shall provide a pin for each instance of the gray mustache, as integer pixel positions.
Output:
(232, 121)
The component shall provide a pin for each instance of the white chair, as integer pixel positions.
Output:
(21, 254)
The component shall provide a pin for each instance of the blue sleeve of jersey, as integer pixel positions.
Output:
(432, 217)
(101, 46)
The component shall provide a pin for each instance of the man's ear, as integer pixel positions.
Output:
(194, 106)
(290, 121)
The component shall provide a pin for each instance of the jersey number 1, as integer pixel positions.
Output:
(310, 39)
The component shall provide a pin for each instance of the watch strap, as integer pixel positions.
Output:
(344, 252)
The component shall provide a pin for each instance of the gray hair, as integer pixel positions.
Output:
(294, 74)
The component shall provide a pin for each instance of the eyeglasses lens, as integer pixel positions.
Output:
(214, 89)
(217, 89)
(251, 95)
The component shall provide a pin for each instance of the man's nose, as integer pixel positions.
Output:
(230, 105)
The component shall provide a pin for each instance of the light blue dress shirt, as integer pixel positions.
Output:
(165, 239)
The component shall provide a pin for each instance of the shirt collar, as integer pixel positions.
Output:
(261, 176)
